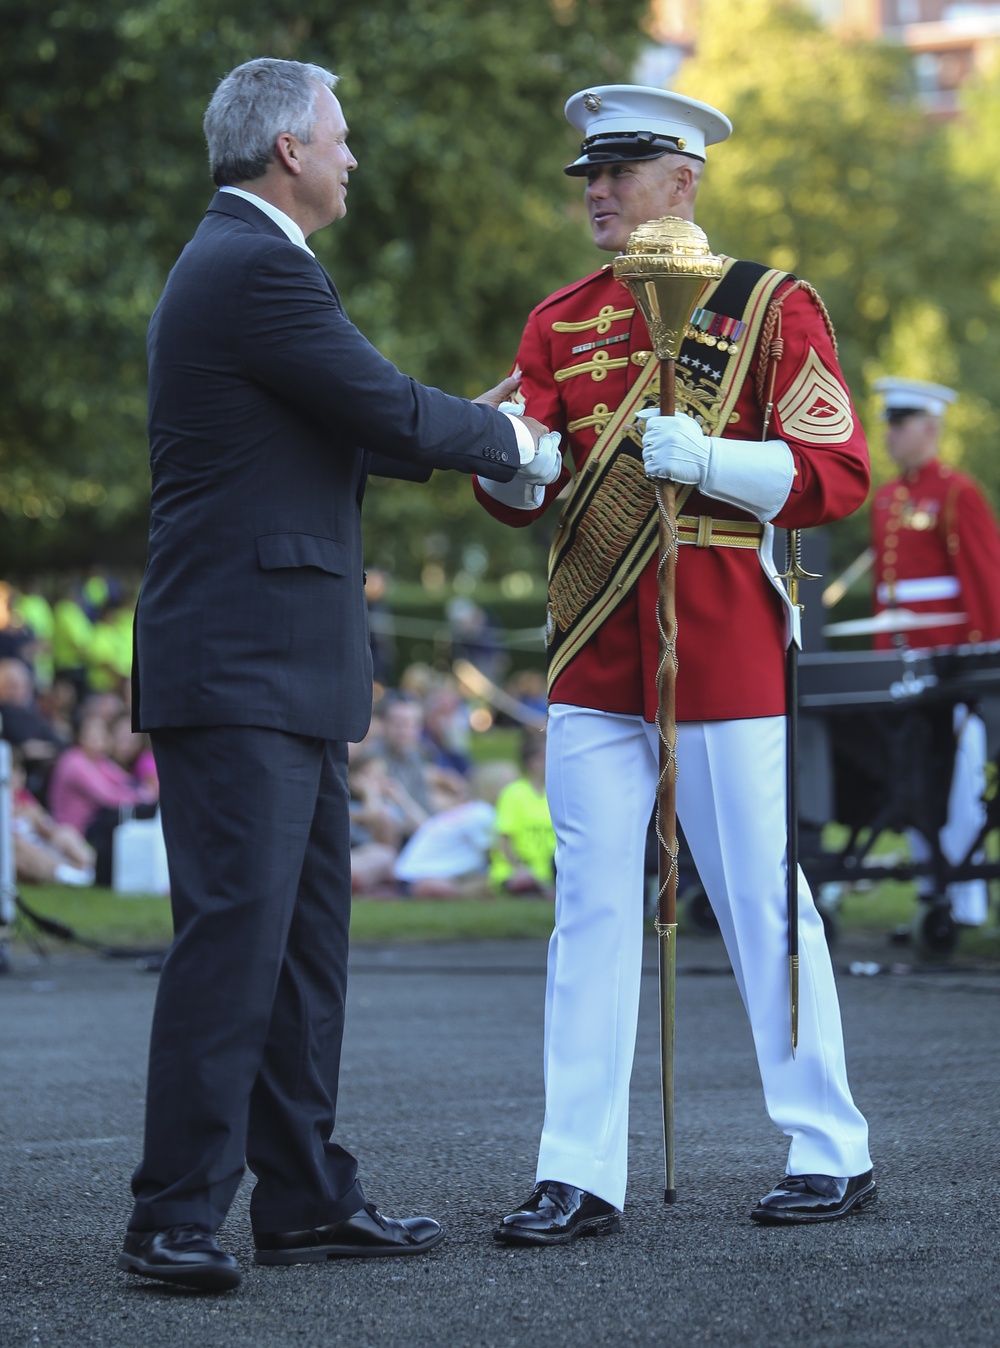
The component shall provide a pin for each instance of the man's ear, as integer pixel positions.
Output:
(686, 180)
(286, 148)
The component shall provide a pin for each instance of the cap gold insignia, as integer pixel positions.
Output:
(681, 143)
(591, 102)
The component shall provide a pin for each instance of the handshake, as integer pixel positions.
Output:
(541, 458)
(546, 464)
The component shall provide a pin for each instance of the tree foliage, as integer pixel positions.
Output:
(835, 172)
(457, 219)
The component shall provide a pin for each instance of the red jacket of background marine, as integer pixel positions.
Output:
(932, 525)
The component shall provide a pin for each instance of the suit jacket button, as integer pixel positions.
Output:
(503, 456)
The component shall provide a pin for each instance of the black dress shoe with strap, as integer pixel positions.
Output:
(366, 1233)
(555, 1214)
(814, 1198)
(186, 1256)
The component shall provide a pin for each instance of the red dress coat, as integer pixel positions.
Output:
(932, 525)
(730, 622)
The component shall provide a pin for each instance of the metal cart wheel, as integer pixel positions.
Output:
(933, 931)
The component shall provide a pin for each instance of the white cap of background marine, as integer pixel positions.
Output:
(914, 395)
(622, 122)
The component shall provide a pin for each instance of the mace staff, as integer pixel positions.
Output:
(665, 265)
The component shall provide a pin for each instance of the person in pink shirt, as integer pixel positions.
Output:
(88, 788)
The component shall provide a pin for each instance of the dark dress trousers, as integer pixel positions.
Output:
(267, 410)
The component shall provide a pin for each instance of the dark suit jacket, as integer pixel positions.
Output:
(266, 409)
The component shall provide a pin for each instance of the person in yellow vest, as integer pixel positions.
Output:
(35, 612)
(109, 654)
(72, 632)
(523, 855)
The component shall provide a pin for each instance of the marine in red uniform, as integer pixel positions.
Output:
(765, 433)
(936, 541)
(937, 550)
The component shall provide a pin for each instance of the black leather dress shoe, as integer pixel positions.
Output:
(555, 1214)
(815, 1198)
(364, 1234)
(186, 1256)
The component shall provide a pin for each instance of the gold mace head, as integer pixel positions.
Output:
(665, 264)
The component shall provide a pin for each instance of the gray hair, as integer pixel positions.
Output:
(250, 109)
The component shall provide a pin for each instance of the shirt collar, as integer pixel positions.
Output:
(283, 221)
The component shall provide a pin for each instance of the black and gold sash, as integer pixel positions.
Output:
(609, 529)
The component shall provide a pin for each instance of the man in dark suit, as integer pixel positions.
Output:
(267, 410)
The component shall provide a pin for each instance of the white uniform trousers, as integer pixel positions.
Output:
(969, 899)
(601, 782)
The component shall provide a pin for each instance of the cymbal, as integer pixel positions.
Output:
(893, 620)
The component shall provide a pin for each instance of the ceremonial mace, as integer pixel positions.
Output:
(665, 265)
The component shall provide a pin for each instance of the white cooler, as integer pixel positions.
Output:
(139, 858)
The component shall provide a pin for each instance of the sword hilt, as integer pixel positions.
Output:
(795, 571)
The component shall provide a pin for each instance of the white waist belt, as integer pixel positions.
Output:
(923, 587)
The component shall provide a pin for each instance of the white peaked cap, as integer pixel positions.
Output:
(629, 121)
(914, 395)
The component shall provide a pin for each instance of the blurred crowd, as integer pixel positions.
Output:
(65, 709)
(427, 820)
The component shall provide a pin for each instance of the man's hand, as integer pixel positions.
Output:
(503, 392)
(675, 447)
(501, 398)
(546, 465)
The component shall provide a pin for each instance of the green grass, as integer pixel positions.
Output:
(144, 920)
(102, 916)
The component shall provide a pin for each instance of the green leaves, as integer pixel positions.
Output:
(460, 219)
(835, 172)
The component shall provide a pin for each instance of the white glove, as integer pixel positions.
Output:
(754, 475)
(547, 464)
(674, 447)
(526, 491)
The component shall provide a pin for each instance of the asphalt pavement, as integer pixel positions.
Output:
(441, 1099)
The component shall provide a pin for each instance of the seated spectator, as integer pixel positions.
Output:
(17, 639)
(25, 728)
(34, 609)
(45, 852)
(133, 751)
(445, 736)
(108, 704)
(375, 829)
(88, 790)
(417, 787)
(71, 633)
(58, 704)
(525, 848)
(449, 855)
